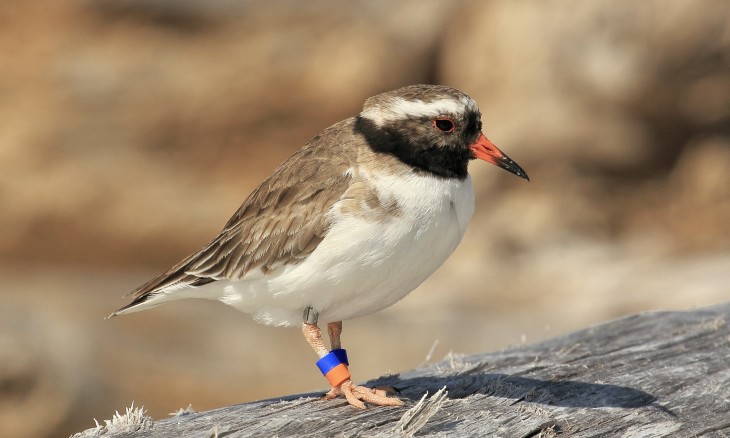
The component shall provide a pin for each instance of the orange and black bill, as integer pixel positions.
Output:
(487, 151)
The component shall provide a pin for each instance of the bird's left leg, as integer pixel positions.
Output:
(334, 330)
(354, 394)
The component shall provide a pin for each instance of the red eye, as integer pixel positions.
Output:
(445, 125)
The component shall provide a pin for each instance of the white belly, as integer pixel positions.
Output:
(362, 265)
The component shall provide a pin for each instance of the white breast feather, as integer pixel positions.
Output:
(363, 266)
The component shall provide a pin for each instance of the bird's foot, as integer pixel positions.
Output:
(356, 395)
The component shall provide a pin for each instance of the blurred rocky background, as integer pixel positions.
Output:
(132, 129)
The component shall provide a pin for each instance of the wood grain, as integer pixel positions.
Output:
(649, 375)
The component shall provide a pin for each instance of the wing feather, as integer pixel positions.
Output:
(280, 223)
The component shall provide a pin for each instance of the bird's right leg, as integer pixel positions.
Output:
(343, 385)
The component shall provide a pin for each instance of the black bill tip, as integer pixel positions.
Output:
(510, 166)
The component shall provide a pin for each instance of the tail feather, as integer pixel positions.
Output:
(159, 290)
(135, 306)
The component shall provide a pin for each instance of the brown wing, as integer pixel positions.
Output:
(281, 222)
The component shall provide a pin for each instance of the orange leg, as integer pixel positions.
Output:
(334, 330)
(354, 394)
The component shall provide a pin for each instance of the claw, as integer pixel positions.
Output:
(387, 390)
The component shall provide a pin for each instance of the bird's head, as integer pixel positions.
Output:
(431, 127)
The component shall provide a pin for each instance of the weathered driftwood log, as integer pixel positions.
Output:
(649, 375)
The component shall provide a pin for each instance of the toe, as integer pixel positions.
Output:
(333, 393)
(347, 389)
(356, 395)
(376, 397)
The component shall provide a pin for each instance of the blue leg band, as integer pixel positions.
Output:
(326, 363)
(334, 367)
(341, 355)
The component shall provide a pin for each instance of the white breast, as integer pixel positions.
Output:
(362, 265)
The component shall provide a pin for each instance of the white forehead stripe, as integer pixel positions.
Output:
(399, 109)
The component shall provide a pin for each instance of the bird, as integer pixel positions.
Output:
(347, 226)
